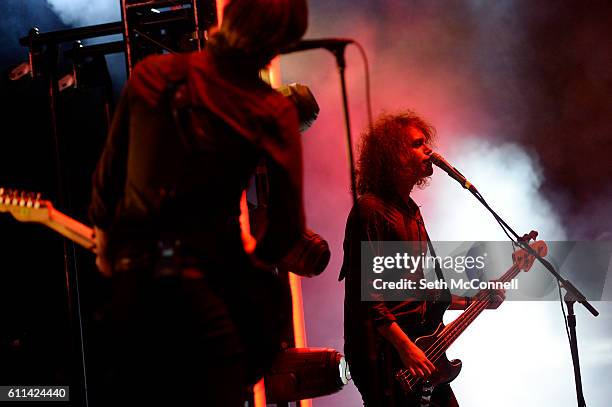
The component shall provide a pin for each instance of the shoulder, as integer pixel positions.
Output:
(375, 210)
(151, 75)
(152, 68)
(278, 106)
(155, 65)
(372, 207)
(370, 203)
(277, 115)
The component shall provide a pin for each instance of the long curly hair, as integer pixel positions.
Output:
(379, 161)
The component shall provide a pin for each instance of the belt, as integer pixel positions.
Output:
(165, 260)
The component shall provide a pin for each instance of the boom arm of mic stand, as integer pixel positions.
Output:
(566, 284)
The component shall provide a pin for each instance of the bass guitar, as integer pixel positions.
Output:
(435, 345)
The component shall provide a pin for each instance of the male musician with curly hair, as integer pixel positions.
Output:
(394, 158)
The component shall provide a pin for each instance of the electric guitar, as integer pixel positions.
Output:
(28, 207)
(435, 345)
(261, 292)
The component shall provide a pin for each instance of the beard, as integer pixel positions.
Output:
(421, 172)
(417, 174)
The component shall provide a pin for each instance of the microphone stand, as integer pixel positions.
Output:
(47, 70)
(571, 322)
(338, 52)
(337, 49)
(572, 295)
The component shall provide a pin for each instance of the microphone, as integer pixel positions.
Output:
(330, 44)
(454, 173)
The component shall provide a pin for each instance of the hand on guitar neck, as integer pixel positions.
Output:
(496, 297)
(29, 207)
(101, 238)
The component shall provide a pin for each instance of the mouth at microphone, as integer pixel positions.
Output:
(454, 173)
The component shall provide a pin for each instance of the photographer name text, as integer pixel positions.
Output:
(424, 284)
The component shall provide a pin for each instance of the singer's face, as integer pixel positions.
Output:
(420, 152)
(415, 159)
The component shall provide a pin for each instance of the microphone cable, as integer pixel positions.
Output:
(366, 68)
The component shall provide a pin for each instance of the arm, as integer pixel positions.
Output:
(108, 180)
(374, 226)
(458, 302)
(461, 303)
(285, 215)
(411, 355)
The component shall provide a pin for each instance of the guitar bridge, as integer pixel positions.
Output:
(426, 392)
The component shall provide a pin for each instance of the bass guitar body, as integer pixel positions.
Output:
(446, 370)
(434, 345)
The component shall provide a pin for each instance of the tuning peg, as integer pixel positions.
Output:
(528, 236)
(8, 196)
(1, 192)
(15, 198)
(29, 202)
(37, 201)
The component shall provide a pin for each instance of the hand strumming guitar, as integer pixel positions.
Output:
(411, 355)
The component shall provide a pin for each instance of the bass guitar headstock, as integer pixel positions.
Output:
(524, 260)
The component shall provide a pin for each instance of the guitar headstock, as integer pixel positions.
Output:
(524, 260)
(24, 206)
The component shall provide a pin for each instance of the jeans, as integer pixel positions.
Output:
(198, 336)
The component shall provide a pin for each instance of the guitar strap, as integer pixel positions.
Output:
(444, 295)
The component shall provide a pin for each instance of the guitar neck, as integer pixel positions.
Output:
(71, 229)
(453, 330)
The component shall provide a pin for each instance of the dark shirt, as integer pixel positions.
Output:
(155, 181)
(374, 220)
